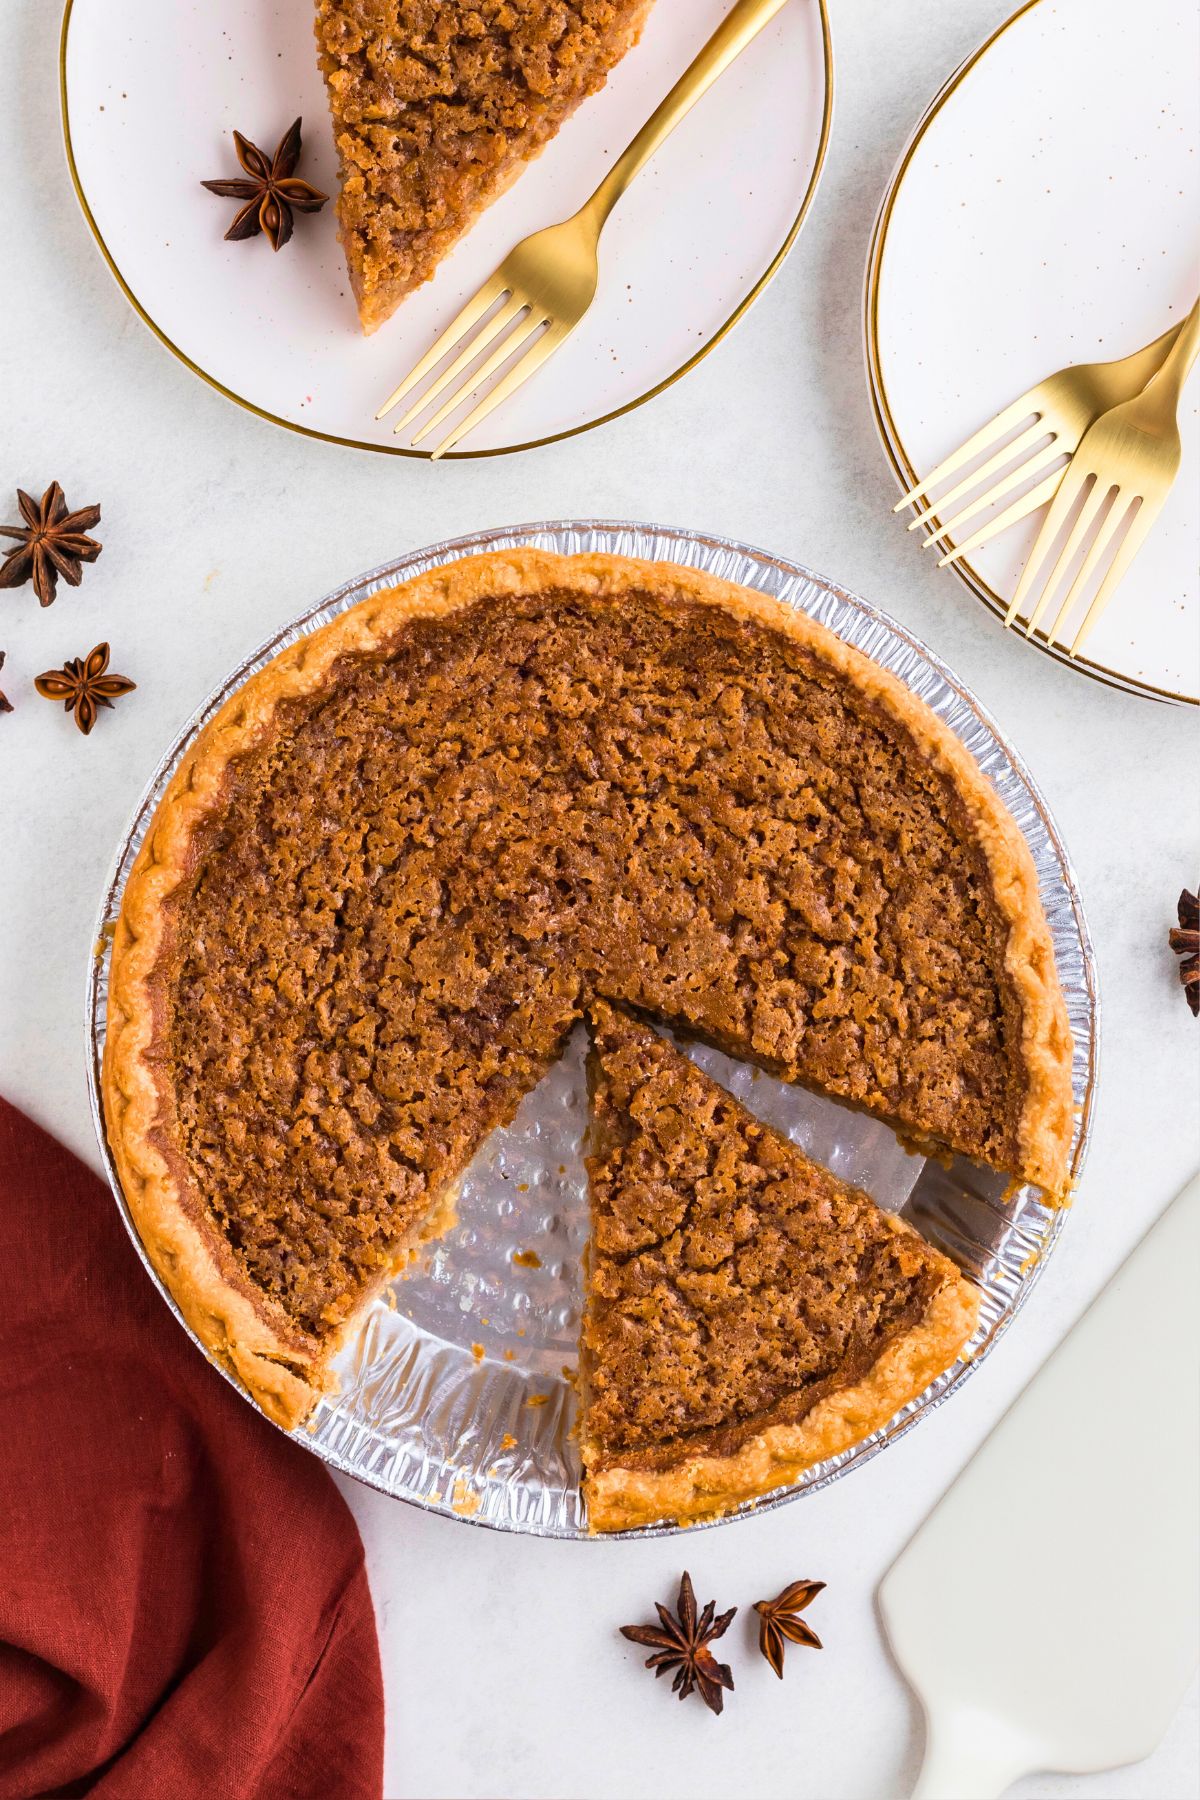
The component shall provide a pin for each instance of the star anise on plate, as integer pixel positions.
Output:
(53, 541)
(780, 1623)
(271, 190)
(5, 703)
(681, 1641)
(1186, 944)
(84, 685)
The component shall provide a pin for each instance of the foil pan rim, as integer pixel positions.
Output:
(887, 641)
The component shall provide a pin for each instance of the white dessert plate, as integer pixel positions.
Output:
(1046, 212)
(151, 94)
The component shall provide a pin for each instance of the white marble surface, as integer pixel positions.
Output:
(505, 1677)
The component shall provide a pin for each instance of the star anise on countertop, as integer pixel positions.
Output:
(1186, 944)
(272, 192)
(52, 542)
(681, 1643)
(5, 703)
(83, 685)
(780, 1623)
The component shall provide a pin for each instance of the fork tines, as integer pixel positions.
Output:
(514, 327)
(1009, 464)
(1103, 509)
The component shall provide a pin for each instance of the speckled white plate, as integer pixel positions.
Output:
(457, 1393)
(152, 89)
(1046, 212)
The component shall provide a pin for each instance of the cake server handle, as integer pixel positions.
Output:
(970, 1757)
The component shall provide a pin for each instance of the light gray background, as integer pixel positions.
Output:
(504, 1674)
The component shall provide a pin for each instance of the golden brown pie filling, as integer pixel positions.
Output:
(414, 888)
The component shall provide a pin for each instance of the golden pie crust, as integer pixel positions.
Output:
(703, 1486)
(283, 1369)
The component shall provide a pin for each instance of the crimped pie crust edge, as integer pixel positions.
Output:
(704, 1487)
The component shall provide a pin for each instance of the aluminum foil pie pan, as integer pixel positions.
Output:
(457, 1395)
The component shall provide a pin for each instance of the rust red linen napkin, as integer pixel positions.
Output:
(184, 1609)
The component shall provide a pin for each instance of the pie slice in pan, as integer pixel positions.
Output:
(748, 1314)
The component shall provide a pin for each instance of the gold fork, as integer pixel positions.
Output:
(1062, 406)
(549, 281)
(1128, 458)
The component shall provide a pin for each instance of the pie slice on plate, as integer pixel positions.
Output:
(437, 107)
(748, 1314)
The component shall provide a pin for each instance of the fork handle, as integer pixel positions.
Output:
(739, 27)
(1177, 365)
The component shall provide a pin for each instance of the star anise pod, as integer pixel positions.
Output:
(83, 685)
(780, 1623)
(5, 702)
(1186, 943)
(682, 1644)
(272, 193)
(52, 542)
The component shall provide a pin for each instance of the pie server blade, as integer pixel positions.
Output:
(1091, 1487)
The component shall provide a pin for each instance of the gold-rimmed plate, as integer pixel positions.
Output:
(151, 94)
(1044, 213)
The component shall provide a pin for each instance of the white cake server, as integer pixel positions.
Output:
(1090, 1488)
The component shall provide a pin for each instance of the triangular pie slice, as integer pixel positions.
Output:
(748, 1314)
(437, 107)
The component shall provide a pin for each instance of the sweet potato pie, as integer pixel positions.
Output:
(411, 853)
